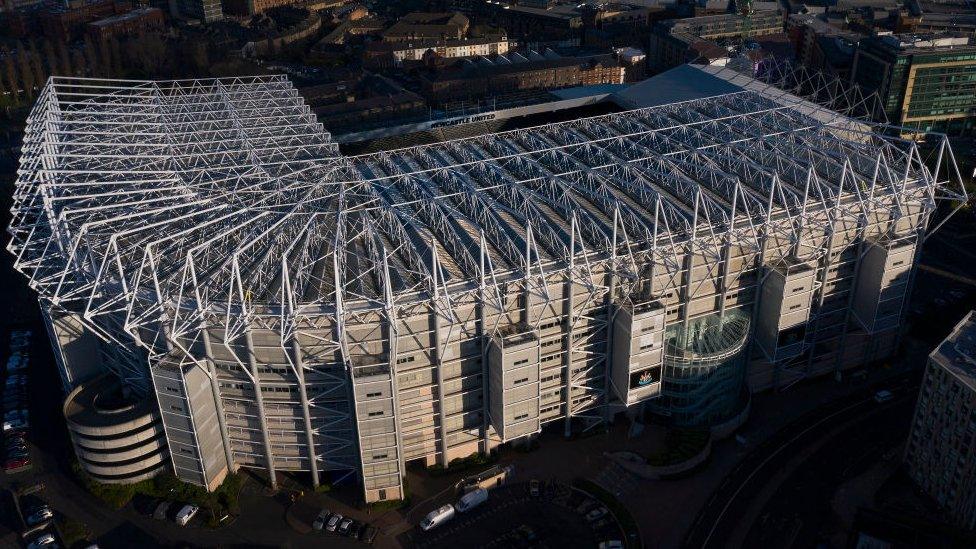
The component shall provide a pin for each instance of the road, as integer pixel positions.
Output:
(728, 511)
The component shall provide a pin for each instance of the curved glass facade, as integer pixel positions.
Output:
(704, 368)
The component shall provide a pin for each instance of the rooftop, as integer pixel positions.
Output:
(927, 42)
(957, 353)
(227, 196)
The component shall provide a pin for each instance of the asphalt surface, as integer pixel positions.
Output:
(799, 512)
(513, 518)
(729, 505)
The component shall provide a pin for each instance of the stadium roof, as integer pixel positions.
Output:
(184, 198)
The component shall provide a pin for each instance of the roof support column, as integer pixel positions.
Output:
(215, 389)
(483, 335)
(259, 400)
(296, 351)
(568, 324)
(438, 358)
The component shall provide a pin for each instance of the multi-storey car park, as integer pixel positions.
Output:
(290, 308)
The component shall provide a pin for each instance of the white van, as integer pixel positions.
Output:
(437, 517)
(472, 500)
(186, 514)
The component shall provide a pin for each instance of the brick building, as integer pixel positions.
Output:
(469, 79)
(391, 54)
(134, 22)
(428, 26)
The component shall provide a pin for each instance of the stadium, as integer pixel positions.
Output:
(289, 308)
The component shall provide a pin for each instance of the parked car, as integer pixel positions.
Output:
(883, 396)
(186, 514)
(12, 464)
(9, 406)
(471, 500)
(358, 531)
(320, 520)
(161, 509)
(39, 515)
(596, 514)
(437, 517)
(612, 544)
(44, 540)
(16, 363)
(16, 445)
(14, 424)
(586, 506)
(18, 453)
(369, 534)
(16, 380)
(14, 441)
(333, 523)
(345, 526)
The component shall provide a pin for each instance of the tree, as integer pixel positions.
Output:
(13, 81)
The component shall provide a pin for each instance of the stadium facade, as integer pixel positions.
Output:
(290, 308)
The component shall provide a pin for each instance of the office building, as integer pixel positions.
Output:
(696, 39)
(204, 11)
(939, 456)
(926, 83)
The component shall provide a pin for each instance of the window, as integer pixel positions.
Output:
(373, 395)
(521, 416)
(176, 409)
(405, 359)
(375, 414)
(521, 381)
(548, 325)
(521, 362)
(379, 456)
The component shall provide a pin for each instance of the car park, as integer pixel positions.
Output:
(186, 514)
(344, 526)
(320, 519)
(333, 523)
